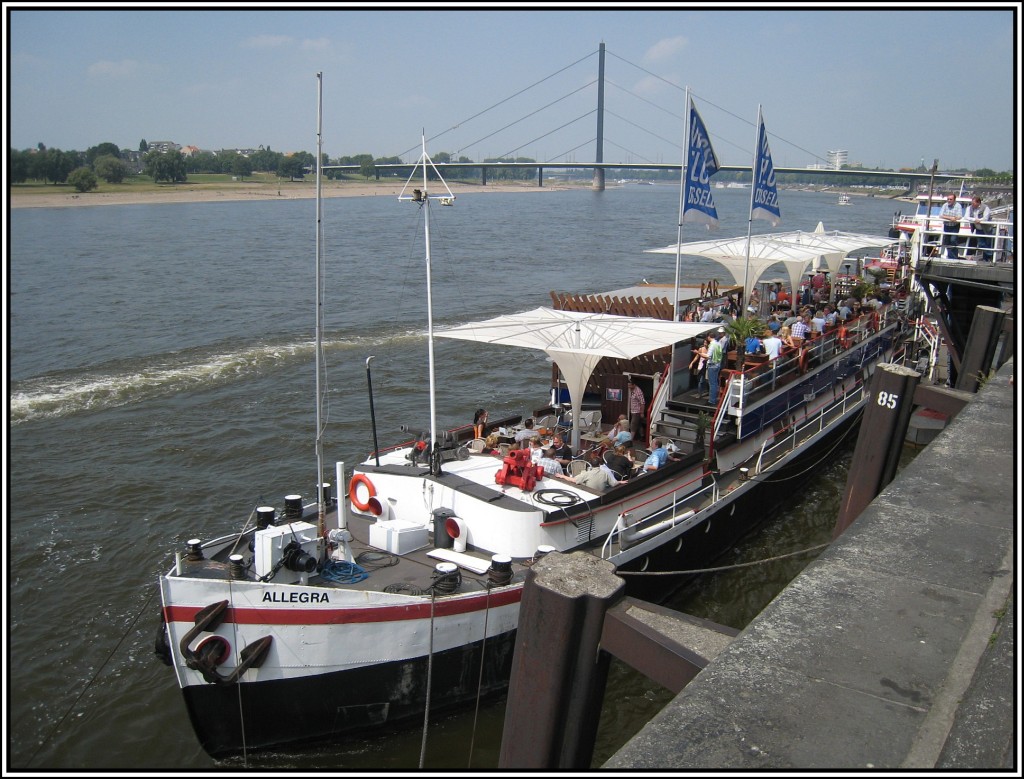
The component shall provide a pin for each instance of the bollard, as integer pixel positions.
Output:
(558, 673)
(880, 440)
(980, 347)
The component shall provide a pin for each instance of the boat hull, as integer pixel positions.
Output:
(734, 518)
(230, 719)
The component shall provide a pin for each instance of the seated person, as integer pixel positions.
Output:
(548, 462)
(479, 423)
(658, 456)
(619, 433)
(600, 478)
(536, 450)
(563, 452)
(619, 462)
(527, 432)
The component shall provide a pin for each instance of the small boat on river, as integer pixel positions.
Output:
(844, 200)
(398, 594)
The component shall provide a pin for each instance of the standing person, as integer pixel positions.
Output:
(976, 214)
(699, 364)
(479, 423)
(715, 355)
(951, 213)
(637, 407)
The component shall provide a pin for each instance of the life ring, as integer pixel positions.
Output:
(353, 491)
(844, 337)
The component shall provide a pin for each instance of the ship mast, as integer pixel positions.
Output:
(318, 349)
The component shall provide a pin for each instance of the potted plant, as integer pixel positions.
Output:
(739, 331)
(701, 425)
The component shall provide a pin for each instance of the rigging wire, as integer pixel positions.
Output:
(92, 680)
(525, 116)
(555, 130)
(709, 102)
(500, 102)
(480, 678)
(809, 549)
(430, 673)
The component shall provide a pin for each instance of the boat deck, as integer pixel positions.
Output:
(409, 573)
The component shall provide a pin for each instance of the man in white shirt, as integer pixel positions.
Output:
(976, 214)
(951, 213)
(772, 346)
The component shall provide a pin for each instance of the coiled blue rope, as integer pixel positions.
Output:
(343, 572)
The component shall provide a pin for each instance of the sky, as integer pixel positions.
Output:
(894, 88)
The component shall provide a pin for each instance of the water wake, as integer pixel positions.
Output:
(125, 382)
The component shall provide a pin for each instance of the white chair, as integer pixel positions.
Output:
(576, 467)
(590, 421)
(477, 445)
(547, 422)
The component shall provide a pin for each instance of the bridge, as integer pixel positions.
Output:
(599, 166)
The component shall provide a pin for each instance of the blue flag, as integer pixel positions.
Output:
(765, 203)
(698, 204)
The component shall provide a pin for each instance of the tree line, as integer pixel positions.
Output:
(108, 162)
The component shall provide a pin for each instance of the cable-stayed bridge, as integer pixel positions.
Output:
(493, 166)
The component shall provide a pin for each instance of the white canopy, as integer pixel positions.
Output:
(833, 245)
(577, 341)
(765, 250)
(795, 249)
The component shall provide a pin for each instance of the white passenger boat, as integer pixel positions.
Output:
(400, 592)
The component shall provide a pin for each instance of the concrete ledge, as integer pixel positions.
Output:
(878, 655)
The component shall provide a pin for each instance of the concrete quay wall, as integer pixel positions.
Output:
(894, 649)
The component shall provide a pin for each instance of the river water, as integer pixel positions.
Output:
(161, 385)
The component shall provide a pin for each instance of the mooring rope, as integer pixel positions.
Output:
(723, 567)
(430, 671)
(480, 679)
(89, 684)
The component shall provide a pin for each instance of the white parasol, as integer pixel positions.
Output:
(577, 341)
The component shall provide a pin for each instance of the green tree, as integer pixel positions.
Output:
(111, 169)
(165, 166)
(17, 166)
(57, 164)
(292, 167)
(143, 146)
(266, 160)
(241, 166)
(101, 150)
(203, 162)
(83, 179)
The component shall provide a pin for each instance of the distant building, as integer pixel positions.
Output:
(836, 159)
(163, 146)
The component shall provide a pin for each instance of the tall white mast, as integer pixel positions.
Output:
(430, 301)
(318, 349)
(750, 214)
(422, 196)
(679, 232)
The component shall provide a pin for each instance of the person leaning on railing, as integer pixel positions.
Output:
(951, 213)
(977, 214)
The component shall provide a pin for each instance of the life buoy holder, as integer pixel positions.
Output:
(353, 491)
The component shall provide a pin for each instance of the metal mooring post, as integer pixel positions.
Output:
(880, 440)
(558, 673)
(980, 347)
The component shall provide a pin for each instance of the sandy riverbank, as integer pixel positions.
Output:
(200, 193)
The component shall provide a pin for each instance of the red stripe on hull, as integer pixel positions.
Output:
(348, 615)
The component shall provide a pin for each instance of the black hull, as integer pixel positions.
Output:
(293, 711)
(710, 539)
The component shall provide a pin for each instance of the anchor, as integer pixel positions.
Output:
(208, 619)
